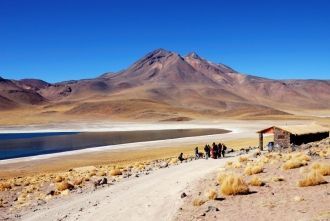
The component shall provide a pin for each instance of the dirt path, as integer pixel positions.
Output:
(152, 197)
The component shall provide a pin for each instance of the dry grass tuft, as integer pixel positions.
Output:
(78, 181)
(322, 168)
(256, 181)
(212, 194)
(64, 186)
(313, 178)
(233, 185)
(115, 172)
(101, 173)
(221, 177)
(294, 163)
(5, 186)
(174, 161)
(253, 169)
(59, 179)
(198, 202)
(243, 159)
(277, 179)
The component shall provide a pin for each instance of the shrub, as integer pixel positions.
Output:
(322, 168)
(198, 202)
(256, 181)
(243, 159)
(78, 181)
(64, 186)
(101, 173)
(294, 163)
(313, 178)
(233, 185)
(221, 177)
(212, 194)
(253, 169)
(115, 172)
(58, 179)
(5, 186)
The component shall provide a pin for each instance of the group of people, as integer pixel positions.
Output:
(215, 152)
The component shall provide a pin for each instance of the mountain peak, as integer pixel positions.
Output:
(159, 52)
(194, 55)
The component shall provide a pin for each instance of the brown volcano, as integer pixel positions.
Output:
(164, 85)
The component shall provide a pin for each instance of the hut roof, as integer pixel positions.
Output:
(299, 129)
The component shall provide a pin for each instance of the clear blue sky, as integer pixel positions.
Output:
(59, 40)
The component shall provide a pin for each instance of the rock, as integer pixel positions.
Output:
(51, 193)
(212, 209)
(163, 165)
(101, 181)
(65, 192)
(183, 195)
(298, 198)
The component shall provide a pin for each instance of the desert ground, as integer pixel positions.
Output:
(70, 186)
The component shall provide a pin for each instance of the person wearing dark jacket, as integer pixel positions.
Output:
(181, 157)
(207, 151)
(216, 150)
(220, 150)
(224, 148)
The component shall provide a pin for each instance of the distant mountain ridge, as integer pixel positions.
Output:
(163, 84)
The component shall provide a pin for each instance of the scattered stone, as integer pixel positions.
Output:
(163, 165)
(183, 195)
(212, 209)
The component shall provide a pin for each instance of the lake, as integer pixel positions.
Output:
(32, 144)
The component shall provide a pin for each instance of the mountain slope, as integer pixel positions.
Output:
(164, 85)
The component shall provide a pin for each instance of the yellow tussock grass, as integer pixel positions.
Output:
(313, 178)
(233, 185)
(243, 159)
(253, 169)
(64, 186)
(294, 163)
(198, 202)
(322, 168)
(5, 186)
(256, 181)
(221, 177)
(115, 172)
(212, 194)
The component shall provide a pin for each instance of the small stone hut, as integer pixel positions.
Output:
(297, 134)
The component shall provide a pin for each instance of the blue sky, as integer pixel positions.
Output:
(61, 40)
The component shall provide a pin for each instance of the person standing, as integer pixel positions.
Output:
(196, 153)
(220, 147)
(216, 150)
(207, 151)
(224, 148)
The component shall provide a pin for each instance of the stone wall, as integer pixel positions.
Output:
(281, 138)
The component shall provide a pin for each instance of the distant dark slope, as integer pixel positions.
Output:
(16, 93)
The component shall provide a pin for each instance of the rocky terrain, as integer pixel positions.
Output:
(271, 186)
(274, 185)
(164, 85)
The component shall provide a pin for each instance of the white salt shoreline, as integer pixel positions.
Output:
(238, 130)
